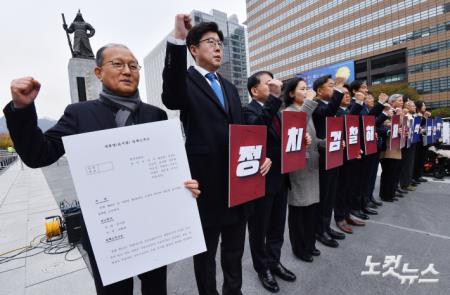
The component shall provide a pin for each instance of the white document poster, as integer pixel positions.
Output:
(129, 182)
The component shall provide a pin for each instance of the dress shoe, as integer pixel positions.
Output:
(305, 257)
(395, 199)
(415, 182)
(343, 226)
(401, 191)
(355, 222)
(359, 214)
(335, 234)
(372, 205)
(327, 240)
(369, 211)
(268, 281)
(421, 179)
(283, 273)
(376, 202)
(410, 188)
(315, 252)
(399, 195)
(391, 200)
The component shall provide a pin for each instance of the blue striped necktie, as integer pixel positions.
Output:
(216, 87)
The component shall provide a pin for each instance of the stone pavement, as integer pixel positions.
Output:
(416, 227)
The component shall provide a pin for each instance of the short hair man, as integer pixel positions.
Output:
(266, 226)
(208, 103)
(119, 105)
(329, 99)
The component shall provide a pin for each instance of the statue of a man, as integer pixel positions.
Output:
(82, 32)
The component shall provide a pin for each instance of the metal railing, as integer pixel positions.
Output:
(6, 159)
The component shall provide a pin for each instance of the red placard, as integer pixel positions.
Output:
(352, 136)
(293, 141)
(370, 141)
(395, 133)
(405, 130)
(247, 154)
(334, 156)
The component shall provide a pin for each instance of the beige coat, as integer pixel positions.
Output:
(305, 183)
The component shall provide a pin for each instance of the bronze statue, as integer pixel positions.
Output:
(82, 32)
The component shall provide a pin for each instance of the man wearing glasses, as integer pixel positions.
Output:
(208, 104)
(119, 105)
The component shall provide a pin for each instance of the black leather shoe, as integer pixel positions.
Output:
(421, 179)
(395, 199)
(399, 195)
(283, 273)
(376, 202)
(336, 235)
(359, 214)
(401, 191)
(415, 182)
(268, 281)
(388, 200)
(327, 240)
(315, 252)
(372, 205)
(305, 257)
(369, 211)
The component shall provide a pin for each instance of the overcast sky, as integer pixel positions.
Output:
(33, 42)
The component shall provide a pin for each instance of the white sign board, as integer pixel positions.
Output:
(129, 182)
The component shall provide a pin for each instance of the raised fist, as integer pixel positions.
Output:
(339, 82)
(182, 26)
(275, 87)
(24, 91)
(310, 94)
(383, 98)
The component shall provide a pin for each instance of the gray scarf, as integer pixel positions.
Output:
(125, 105)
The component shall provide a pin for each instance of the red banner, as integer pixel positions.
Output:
(293, 141)
(247, 154)
(370, 141)
(334, 156)
(352, 136)
(395, 133)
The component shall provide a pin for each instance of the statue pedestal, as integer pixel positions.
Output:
(84, 85)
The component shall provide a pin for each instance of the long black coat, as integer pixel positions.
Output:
(39, 149)
(255, 114)
(206, 126)
(324, 110)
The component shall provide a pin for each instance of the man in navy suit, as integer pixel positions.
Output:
(119, 105)
(266, 225)
(208, 103)
(329, 98)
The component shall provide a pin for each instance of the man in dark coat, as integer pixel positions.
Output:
(266, 225)
(208, 103)
(119, 105)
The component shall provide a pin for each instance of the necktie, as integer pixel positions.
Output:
(216, 87)
(276, 125)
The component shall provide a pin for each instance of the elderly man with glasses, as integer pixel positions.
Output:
(119, 104)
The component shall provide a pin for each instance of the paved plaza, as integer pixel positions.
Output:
(416, 227)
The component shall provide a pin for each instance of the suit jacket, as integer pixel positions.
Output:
(324, 110)
(255, 114)
(39, 149)
(206, 126)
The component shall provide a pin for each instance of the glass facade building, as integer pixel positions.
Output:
(234, 62)
(390, 41)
